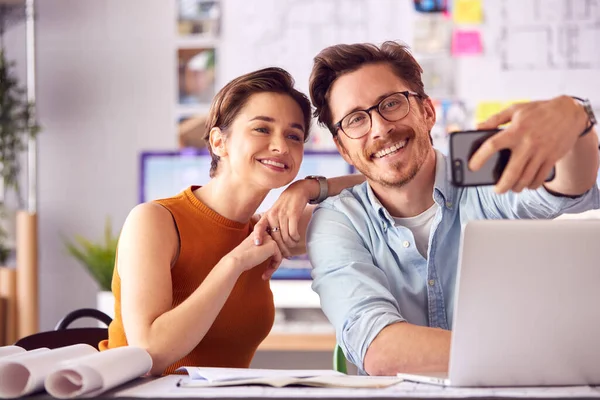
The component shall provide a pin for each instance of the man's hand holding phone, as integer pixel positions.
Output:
(540, 133)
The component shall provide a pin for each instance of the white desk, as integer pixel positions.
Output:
(166, 388)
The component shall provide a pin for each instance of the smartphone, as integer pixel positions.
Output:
(463, 145)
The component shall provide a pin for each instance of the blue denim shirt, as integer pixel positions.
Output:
(368, 272)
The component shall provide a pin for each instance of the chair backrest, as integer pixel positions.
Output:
(62, 336)
(67, 337)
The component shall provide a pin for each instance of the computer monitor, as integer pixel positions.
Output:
(166, 173)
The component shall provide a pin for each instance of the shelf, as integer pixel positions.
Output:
(298, 342)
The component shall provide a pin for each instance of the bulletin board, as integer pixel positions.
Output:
(479, 56)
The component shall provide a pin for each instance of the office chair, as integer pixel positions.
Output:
(339, 360)
(61, 336)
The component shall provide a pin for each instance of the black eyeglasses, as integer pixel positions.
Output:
(393, 108)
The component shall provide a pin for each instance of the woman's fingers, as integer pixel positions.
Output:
(260, 230)
(276, 259)
(275, 232)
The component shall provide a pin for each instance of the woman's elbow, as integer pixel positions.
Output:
(160, 359)
(159, 363)
(157, 370)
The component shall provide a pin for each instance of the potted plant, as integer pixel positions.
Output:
(99, 260)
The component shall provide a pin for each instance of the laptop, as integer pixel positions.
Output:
(527, 311)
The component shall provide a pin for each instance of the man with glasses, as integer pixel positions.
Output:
(385, 252)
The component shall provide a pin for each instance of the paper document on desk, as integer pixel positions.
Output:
(214, 377)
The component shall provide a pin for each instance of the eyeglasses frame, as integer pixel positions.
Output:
(405, 93)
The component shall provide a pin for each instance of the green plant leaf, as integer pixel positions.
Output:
(97, 258)
(17, 125)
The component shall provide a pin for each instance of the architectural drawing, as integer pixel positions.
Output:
(289, 33)
(549, 34)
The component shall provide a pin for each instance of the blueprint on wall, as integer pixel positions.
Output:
(550, 34)
(532, 49)
(290, 33)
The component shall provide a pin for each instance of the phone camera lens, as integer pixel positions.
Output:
(457, 170)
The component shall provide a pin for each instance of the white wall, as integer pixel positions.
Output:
(106, 81)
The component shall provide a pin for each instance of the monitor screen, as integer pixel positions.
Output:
(164, 174)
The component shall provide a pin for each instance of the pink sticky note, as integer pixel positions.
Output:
(466, 42)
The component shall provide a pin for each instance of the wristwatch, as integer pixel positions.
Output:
(587, 107)
(323, 188)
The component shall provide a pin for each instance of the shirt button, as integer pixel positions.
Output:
(449, 204)
(431, 282)
(406, 243)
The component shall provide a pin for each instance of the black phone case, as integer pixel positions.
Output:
(504, 156)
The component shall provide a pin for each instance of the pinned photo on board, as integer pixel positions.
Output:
(198, 18)
(196, 75)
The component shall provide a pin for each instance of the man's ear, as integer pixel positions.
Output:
(217, 142)
(429, 113)
(342, 149)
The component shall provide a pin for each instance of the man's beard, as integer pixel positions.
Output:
(417, 142)
(398, 182)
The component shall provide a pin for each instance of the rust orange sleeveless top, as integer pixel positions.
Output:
(248, 313)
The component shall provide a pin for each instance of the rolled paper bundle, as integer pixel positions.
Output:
(10, 350)
(23, 354)
(94, 374)
(23, 374)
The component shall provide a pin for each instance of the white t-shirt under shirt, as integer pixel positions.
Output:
(420, 226)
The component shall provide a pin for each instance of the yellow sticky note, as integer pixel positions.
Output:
(468, 11)
(486, 109)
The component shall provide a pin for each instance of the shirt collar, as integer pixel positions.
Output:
(443, 191)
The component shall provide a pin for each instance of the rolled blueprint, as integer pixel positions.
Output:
(23, 374)
(10, 350)
(95, 373)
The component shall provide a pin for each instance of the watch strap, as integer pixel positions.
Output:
(323, 188)
(587, 107)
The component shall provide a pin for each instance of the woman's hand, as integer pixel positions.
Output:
(248, 255)
(282, 222)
